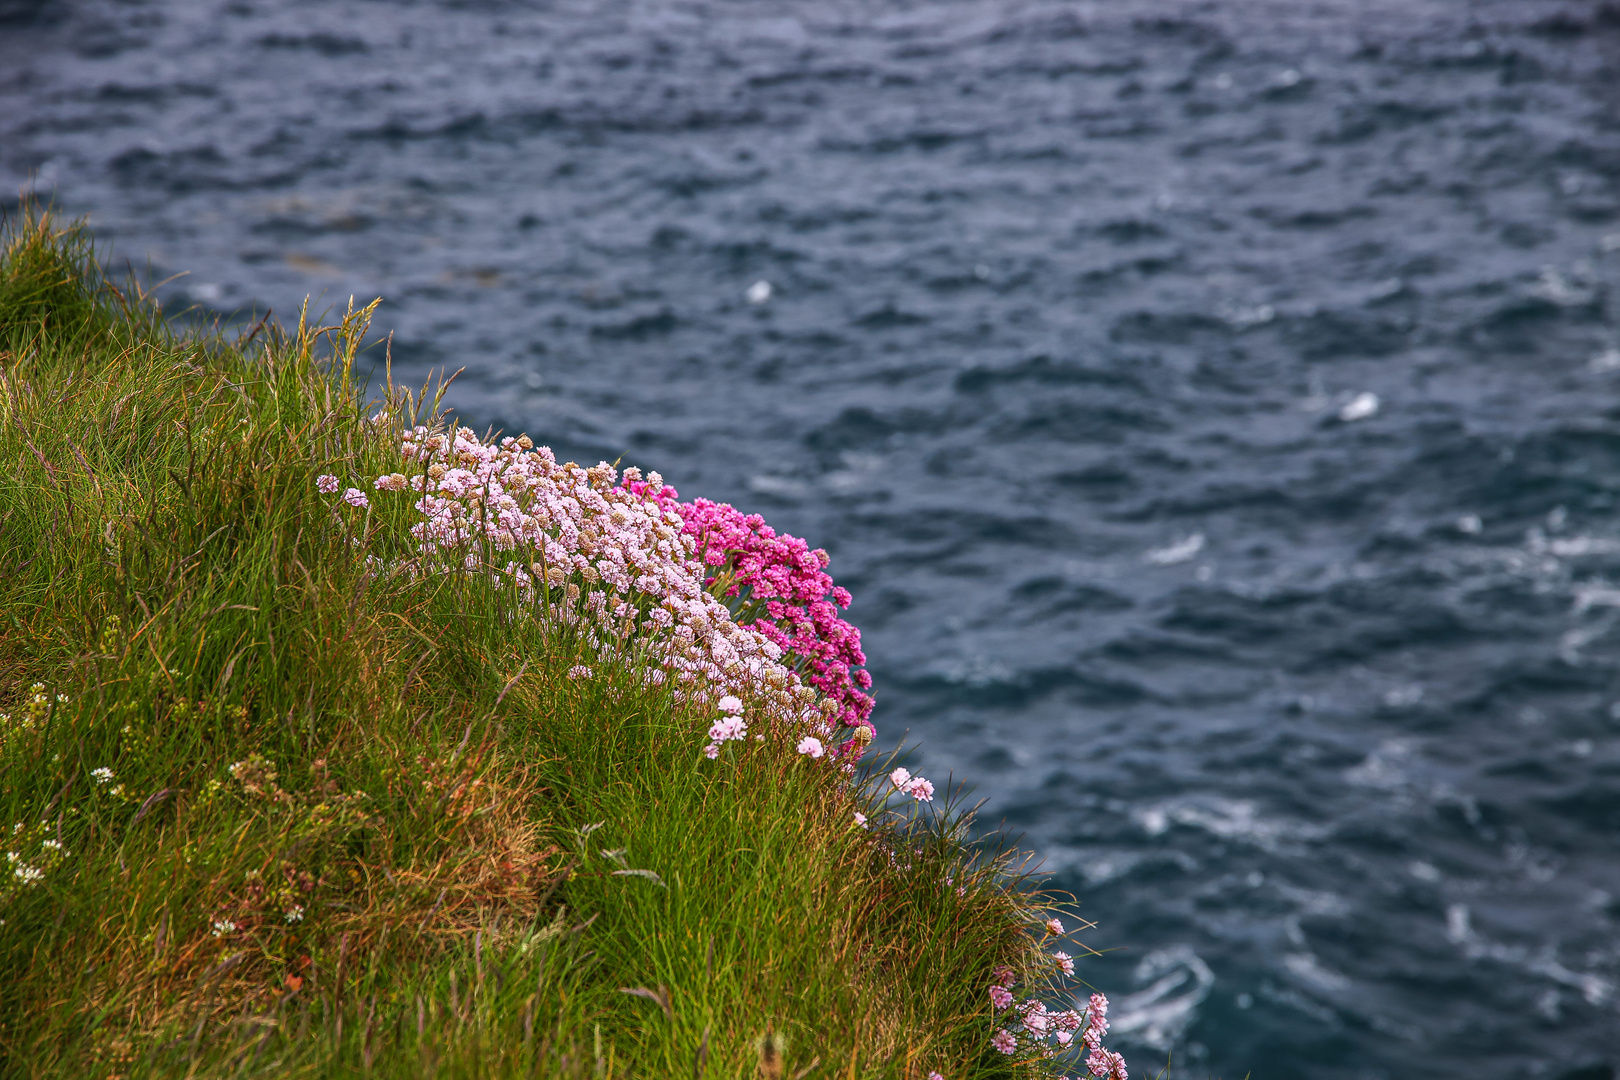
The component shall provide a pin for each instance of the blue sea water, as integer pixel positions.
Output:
(1212, 406)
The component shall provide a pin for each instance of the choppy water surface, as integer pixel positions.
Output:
(1311, 696)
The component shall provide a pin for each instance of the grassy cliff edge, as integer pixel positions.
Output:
(275, 808)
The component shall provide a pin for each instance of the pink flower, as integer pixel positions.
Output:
(860, 819)
(579, 671)
(711, 751)
(791, 599)
(1107, 1064)
(900, 778)
(1096, 1021)
(1054, 927)
(729, 727)
(391, 482)
(812, 746)
(731, 703)
(1003, 976)
(326, 484)
(356, 497)
(1035, 1021)
(920, 789)
(1065, 1037)
(1004, 1041)
(1065, 962)
(935, 1076)
(1000, 997)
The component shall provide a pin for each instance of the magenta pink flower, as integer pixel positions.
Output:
(1065, 962)
(327, 484)
(1000, 997)
(356, 497)
(778, 585)
(1004, 1041)
(1054, 926)
(711, 751)
(1003, 976)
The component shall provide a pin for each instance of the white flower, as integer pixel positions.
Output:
(223, 927)
(28, 875)
(102, 775)
(295, 913)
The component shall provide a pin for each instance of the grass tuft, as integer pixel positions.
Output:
(287, 811)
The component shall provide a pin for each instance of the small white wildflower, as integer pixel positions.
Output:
(295, 913)
(28, 875)
(51, 845)
(223, 927)
(102, 775)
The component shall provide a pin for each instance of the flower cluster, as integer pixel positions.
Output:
(1033, 1027)
(36, 708)
(915, 786)
(32, 853)
(614, 558)
(778, 585)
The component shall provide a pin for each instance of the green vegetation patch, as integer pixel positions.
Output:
(279, 802)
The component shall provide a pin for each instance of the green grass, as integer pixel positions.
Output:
(292, 727)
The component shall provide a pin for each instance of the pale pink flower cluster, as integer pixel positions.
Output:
(356, 497)
(1048, 1033)
(812, 746)
(327, 484)
(609, 562)
(915, 786)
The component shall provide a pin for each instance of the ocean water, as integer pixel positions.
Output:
(1212, 406)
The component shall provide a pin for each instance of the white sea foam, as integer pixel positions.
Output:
(1179, 552)
(1360, 407)
(1178, 981)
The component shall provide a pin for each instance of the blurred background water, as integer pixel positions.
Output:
(1212, 407)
